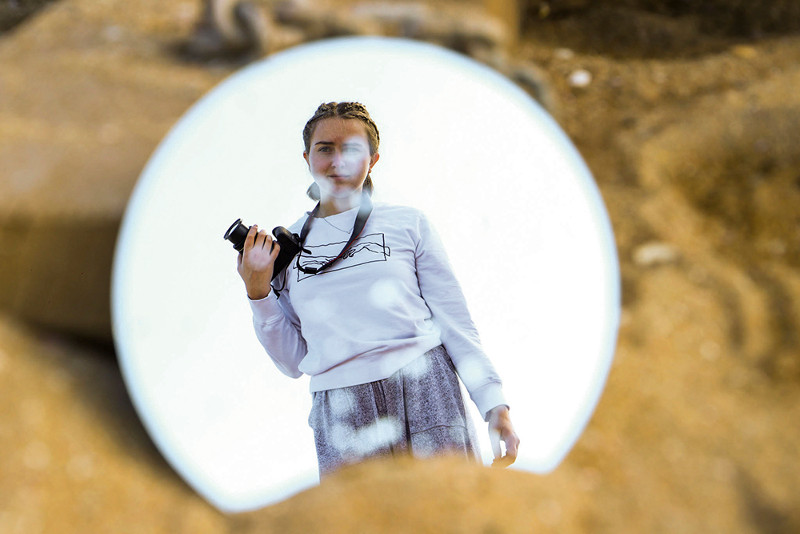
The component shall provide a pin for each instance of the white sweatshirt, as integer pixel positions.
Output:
(391, 298)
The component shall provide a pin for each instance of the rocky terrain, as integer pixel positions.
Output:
(687, 114)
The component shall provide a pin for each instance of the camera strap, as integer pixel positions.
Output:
(361, 220)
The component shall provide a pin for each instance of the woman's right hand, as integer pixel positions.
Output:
(257, 261)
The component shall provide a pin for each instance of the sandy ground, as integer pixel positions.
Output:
(689, 132)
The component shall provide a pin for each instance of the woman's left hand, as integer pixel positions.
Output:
(501, 429)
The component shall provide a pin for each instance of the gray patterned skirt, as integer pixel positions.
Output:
(419, 410)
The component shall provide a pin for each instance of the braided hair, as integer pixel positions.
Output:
(342, 110)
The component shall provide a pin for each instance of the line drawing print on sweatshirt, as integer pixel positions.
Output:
(366, 249)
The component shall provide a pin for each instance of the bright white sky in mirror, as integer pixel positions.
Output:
(517, 209)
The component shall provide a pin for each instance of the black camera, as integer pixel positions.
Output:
(290, 243)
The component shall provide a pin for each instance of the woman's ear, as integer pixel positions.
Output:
(305, 157)
(373, 160)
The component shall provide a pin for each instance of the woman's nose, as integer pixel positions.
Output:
(338, 159)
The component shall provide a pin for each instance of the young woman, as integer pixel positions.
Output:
(370, 309)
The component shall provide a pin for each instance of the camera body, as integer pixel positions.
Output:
(290, 243)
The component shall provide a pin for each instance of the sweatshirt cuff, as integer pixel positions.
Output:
(267, 309)
(488, 397)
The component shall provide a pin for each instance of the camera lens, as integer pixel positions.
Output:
(236, 234)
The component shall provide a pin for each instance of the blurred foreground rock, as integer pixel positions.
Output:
(88, 91)
(15, 11)
(485, 30)
(75, 457)
(733, 171)
(674, 447)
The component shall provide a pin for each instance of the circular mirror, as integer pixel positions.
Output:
(516, 207)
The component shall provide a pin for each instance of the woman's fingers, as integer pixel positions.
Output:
(257, 239)
(276, 248)
(262, 239)
(256, 262)
(250, 240)
(501, 429)
(512, 442)
(259, 253)
(512, 445)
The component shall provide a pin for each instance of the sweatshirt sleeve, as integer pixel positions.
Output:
(278, 329)
(443, 295)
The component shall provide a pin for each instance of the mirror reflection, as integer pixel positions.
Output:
(461, 161)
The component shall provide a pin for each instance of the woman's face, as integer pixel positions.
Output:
(339, 157)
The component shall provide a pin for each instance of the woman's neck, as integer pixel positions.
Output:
(333, 206)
